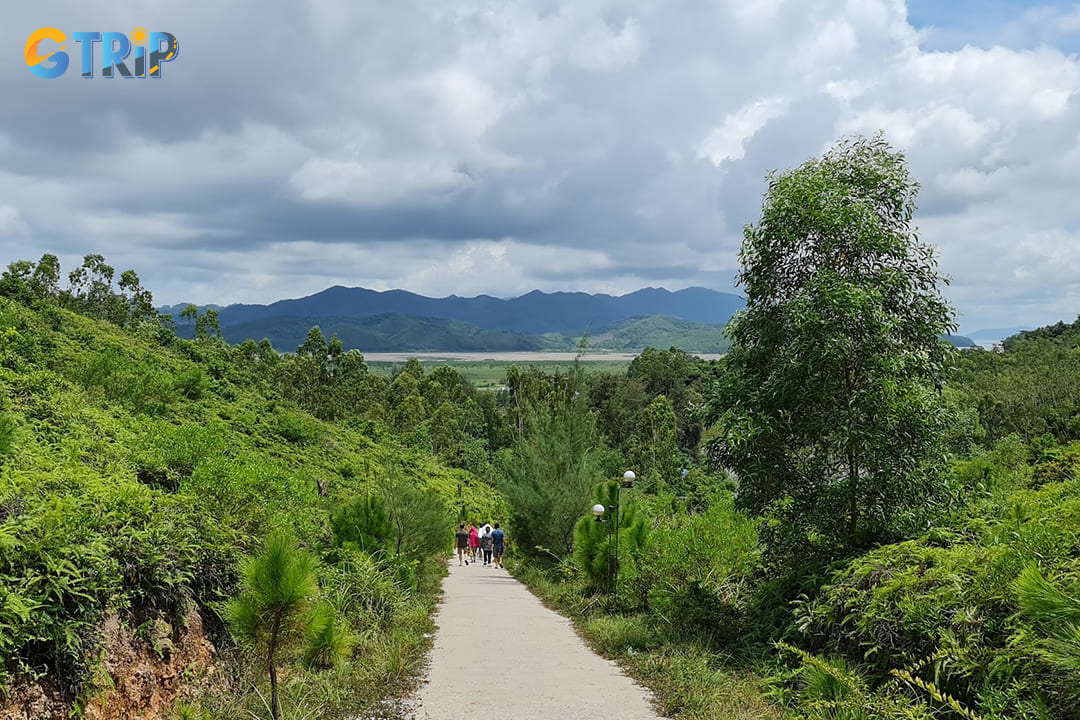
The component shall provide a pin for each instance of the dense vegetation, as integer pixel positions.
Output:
(145, 476)
(844, 518)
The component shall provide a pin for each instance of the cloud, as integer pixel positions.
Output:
(483, 146)
(727, 141)
(11, 223)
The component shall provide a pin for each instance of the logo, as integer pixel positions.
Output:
(151, 51)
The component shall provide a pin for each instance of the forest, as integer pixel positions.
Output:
(845, 517)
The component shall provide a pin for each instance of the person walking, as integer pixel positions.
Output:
(498, 545)
(461, 538)
(474, 541)
(485, 545)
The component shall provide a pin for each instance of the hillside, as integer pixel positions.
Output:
(536, 312)
(140, 470)
(661, 331)
(401, 333)
(388, 333)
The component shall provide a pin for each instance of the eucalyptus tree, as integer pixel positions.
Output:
(830, 412)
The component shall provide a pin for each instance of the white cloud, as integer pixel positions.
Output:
(375, 183)
(727, 142)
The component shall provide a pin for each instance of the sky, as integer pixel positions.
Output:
(500, 146)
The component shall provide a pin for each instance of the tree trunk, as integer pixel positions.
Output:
(853, 460)
(853, 488)
(275, 707)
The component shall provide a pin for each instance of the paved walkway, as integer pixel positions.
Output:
(535, 667)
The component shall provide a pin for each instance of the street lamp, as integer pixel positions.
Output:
(627, 482)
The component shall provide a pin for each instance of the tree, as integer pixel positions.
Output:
(593, 541)
(90, 290)
(654, 447)
(277, 586)
(549, 473)
(444, 431)
(419, 518)
(830, 414)
(314, 345)
(15, 282)
(139, 300)
(208, 325)
(45, 281)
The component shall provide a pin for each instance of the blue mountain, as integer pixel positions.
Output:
(536, 312)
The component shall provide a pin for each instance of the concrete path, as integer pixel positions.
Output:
(535, 667)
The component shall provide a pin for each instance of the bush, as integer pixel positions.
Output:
(363, 524)
(297, 428)
(191, 383)
(696, 571)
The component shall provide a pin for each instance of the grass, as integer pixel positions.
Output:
(492, 374)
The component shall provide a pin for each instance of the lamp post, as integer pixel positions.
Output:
(599, 511)
(627, 482)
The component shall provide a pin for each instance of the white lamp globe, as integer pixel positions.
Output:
(598, 510)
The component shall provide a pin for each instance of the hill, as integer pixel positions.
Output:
(389, 333)
(140, 470)
(536, 312)
(403, 333)
(662, 331)
(959, 341)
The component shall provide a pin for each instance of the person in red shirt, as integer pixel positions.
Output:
(474, 541)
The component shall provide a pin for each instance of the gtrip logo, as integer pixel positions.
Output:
(115, 49)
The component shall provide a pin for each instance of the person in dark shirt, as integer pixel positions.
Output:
(486, 545)
(462, 539)
(498, 545)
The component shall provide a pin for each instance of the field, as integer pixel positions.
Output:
(491, 373)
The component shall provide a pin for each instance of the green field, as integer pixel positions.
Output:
(492, 373)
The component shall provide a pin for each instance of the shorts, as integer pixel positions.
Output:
(497, 550)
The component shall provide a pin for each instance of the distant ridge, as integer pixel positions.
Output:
(535, 312)
(692, 319)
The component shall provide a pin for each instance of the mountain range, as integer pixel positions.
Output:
(537, 312)
(400, 321)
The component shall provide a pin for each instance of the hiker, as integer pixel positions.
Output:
(474, 541)
(461, 537)
(498, 545)
(486, 543)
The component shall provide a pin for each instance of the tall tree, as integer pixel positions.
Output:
(548, 475)
(654, 446)
(830, 413)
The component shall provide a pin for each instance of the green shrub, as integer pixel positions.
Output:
(363, 524)
(594, 549)
(191, 383)
(297, 428)
(328, 639)
(695, 573)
